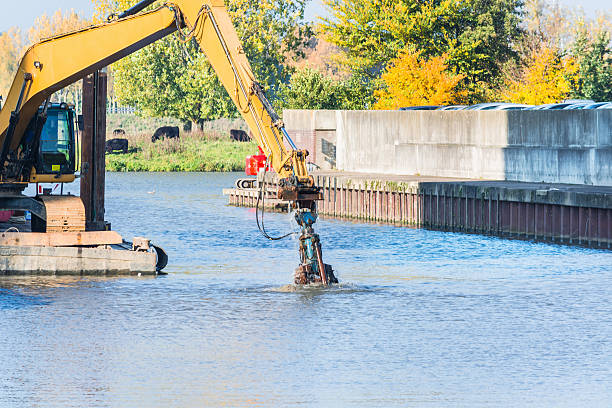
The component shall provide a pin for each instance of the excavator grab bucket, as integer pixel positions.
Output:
(312, 269)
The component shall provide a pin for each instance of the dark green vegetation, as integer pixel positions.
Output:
(179, 81)
(594, 58)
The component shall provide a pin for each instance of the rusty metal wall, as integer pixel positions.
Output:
(462, 212)
(462, 207)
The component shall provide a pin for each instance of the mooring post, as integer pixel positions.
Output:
(93, 143)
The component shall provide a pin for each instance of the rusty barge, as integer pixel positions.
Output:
(86, 253)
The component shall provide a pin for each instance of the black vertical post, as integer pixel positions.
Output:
(92, 150)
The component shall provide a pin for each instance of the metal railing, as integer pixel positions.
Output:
(121, 109)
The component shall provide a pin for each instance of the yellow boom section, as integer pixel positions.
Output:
(57, 62)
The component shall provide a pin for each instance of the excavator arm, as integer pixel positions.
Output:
(57, 62)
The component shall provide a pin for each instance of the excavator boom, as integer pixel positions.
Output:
(57, 62)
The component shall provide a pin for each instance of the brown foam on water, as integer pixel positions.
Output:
(296, 288)
(316, 288)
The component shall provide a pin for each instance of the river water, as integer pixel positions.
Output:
(421, 318)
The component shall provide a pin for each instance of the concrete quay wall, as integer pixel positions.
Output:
(572, 147)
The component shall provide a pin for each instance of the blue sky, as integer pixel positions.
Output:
(23, 13)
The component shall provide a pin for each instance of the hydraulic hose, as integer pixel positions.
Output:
(262, 228)
(137, 8)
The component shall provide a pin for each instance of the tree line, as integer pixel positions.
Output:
(442, 52)
(369, 54)
(13, 44)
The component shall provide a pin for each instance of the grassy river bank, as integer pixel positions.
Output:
(193, 152)
(210, 149)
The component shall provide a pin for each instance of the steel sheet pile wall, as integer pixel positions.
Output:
(561, 213)
(570, 215)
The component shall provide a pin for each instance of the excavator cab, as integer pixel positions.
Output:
(50, 144)
(56, 152)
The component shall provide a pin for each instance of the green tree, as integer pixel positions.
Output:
(370, 32)
(178, 80)
(477, 35)
(356, 94)
(308, 89)
(594, 59)
(311, 89)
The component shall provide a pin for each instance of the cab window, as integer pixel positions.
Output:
(56, 142)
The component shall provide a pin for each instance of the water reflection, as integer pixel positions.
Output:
(10, 299)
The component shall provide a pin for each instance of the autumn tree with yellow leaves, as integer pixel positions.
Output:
(60, 23)
(413, 80)
(13, 46)
(476, 36)
(547, 77)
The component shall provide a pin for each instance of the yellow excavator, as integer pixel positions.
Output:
(37, 138)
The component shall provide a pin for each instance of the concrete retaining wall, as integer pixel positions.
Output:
(534, 146)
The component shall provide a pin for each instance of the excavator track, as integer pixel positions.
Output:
(64, 213)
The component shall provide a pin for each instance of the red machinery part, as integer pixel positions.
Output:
(5, 216)
(255, 163)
